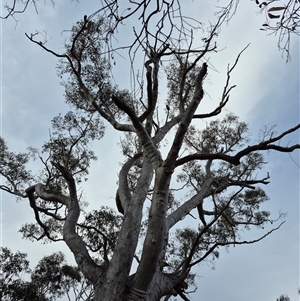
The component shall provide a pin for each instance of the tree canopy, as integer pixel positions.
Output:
(52, 278)
(173, 168)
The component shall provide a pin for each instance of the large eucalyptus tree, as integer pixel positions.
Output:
(165, 153)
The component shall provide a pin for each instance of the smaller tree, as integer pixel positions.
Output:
(286, 297)
(52, 278)
(12, 287)
(283, 298)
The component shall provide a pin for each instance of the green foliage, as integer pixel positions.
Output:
(52, 278)
(283, 298)
(68, 145)
(12, 286)
(220, 135)
(13, 169)
(181, 82)
(13, 264)
(100, 230)
(87, 72)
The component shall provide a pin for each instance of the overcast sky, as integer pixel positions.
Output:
(267, 93)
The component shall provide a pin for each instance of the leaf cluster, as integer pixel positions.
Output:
(51, 278)
(13, 169)
(100, 230)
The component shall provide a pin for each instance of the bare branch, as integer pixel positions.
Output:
(245, 242)
(226, 91)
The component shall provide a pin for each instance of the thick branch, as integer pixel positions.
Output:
(235, 160)
(129, 234)
(14, 191)
(118, 126)
(86, 264)
(164, 130)
(152, 81)
(185, 208)
(38, 188)
(187, 118)
(150, 149)
(123, 192)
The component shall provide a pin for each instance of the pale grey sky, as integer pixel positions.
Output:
(267, 93)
